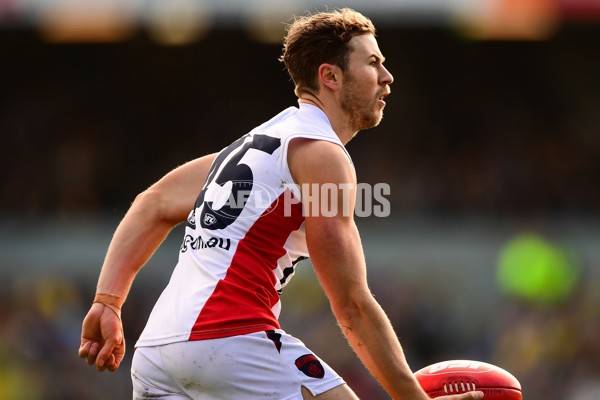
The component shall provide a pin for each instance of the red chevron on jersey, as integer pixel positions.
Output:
(241, 303)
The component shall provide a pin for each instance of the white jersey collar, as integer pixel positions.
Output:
(315, 112)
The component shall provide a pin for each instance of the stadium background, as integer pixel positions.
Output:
(490, 140)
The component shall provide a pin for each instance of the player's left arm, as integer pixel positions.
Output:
(336, 252)
(146, 224)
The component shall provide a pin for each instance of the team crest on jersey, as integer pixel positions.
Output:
(310, 366)
(209, 219)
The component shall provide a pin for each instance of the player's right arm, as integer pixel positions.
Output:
(146, 224)
(336, 252)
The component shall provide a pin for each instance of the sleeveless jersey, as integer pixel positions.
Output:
(242, 240)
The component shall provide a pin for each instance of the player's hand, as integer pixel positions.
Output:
(464, 396)
(102, 340)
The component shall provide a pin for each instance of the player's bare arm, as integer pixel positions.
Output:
(146, 224)
(151, 217)
(335, 249)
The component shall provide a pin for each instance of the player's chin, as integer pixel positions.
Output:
(377, 117)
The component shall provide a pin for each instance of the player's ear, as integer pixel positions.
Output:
(330, 76)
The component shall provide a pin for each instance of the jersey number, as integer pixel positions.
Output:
(235, 174)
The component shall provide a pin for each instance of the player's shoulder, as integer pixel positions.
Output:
(316, 149)
(319, 160)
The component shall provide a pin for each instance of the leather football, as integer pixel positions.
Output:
(460, 376)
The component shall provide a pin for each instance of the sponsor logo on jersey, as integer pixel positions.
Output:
(198, 243)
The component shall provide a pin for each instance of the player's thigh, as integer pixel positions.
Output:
(342, 392)
(149, 379)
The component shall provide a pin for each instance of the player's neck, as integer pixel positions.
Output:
(337, 117)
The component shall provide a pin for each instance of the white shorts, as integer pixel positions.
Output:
(260, 365)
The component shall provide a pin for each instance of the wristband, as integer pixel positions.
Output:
(111, 301)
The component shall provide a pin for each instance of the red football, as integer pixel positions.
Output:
(460, 376)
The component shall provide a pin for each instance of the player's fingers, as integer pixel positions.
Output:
(106, 352)
(118, 353)
(114, 366)
(102, 358)
(92, 353)
(107, 364)
(472, 396)
(84, 349)
(464, 396)
(111, 364)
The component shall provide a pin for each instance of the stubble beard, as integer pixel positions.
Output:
(360, 110)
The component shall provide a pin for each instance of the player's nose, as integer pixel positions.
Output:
(386, 77)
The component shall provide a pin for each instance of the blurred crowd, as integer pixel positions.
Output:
(495, 128)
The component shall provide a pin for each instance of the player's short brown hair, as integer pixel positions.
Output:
(320, 38)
